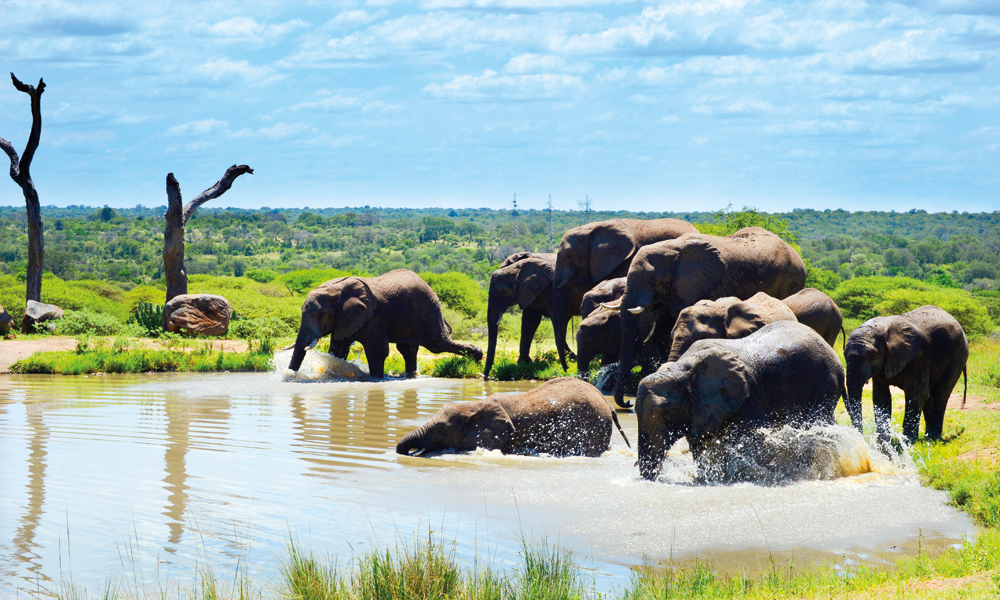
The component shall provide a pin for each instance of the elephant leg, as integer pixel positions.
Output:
(911, 417)
(934, 412)
(340, 349)
(529, 325)
(376, 344)
(882, 407)
(409, 352)
(446, 345)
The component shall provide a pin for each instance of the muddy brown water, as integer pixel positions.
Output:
(149, 476)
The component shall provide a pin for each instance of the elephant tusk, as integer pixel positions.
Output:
(651, 332)
(611, 307)
(637, 310)
(312, 344)
(287, 348)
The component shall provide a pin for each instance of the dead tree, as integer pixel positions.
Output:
(19, 172)
(177, 217)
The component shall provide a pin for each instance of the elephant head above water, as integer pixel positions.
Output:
(561, 417)
(726, 318)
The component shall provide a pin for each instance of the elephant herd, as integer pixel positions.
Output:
(731, 338)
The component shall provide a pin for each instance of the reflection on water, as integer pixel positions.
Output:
(168, 469)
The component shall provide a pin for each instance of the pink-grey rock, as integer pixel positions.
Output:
(202, 314)
(36, 313)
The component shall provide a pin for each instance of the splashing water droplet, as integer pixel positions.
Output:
(318, 366)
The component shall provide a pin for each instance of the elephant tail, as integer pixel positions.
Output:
(448, 325)
(614, 417)
(965, 379)
(843, 332)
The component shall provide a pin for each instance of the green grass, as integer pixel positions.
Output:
(122, 358)
(543, 366)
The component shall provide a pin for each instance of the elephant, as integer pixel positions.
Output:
(922, 352)
(592, 253)
(723, 391)
(599, 332)
(727, 318)
(398, 307)
(562, 417)
(667, 277)
(524, 278)
(817, 310)
(604, 292)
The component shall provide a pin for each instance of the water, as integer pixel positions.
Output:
(150, 474)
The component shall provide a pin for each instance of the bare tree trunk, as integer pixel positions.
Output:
(20, 173)
(177, 217)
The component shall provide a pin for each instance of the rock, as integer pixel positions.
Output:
(36, 313)
(203, 314)
(6, 322)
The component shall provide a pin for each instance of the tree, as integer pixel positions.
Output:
(19, 172)
(177, 217)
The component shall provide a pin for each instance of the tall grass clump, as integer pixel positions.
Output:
(425, 571)
(543, 366)
(121, 358)
(457, 367)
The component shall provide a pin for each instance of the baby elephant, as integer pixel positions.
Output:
(563, 417)
(723, 391)
(726, 318)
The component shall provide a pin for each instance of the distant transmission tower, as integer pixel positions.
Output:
(515, 227)
(586, 207)
(550, 228)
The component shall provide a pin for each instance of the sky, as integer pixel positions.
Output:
(673, 106)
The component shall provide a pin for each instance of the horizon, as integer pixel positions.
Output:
(651, 107)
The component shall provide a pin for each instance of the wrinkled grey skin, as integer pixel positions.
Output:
(815, 309)
(600, 331)
(562, 417)
(524, 278)
(398, 307)
(725, 318)
(923, 352)
(602, 293)
(721, 391)
(667, 277)
(595, 252)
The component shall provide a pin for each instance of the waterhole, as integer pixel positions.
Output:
(153, 475)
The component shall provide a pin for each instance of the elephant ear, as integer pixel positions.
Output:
(698, 271)
(357, 305)
(611, 244)
(489, 427)
(514, 258)
(903, 343)
(742, 319)
(719, 387)
(534, 278)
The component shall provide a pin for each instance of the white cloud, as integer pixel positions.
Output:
(196, 128)
(277, 131)
(223, 69)
(247, 27)
(490, 85)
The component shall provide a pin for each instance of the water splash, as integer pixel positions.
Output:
(602, 376)
(787, 454)
(318, 366)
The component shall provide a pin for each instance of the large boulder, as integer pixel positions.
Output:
(6, 322)
(202, 314)
(36, 313)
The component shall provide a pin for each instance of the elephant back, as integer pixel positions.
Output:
(564, 416)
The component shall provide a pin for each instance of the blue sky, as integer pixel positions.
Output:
(668, 106)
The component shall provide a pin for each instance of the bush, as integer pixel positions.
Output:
(259, 328)
(457, 367)
(149, 318)
(78, 322)
(867, 297)
(543, 366)
(261, 275)
(301, 282)
(459, 292)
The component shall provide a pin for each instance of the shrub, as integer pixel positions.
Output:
(261, 327)
(77, 322)
(301, 282)
(459, 292)
(149, 317)
(262, 275)
(457, 367)
(542, 367)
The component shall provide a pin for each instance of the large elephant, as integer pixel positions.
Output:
(722, 391)
(667, 277)
(817, 310)
(562, 417)
(524, 278)
(726, 318)
(398, 307)
(923, 352)
(597, 251)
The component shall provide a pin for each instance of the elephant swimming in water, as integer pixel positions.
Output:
(723, 391)
(562, 417)
(398, 307)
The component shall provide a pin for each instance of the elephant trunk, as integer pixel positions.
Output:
(306, 339)
(629, 328)
(411, 441)
(560, 317)
(495, 309)
(857, 377)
